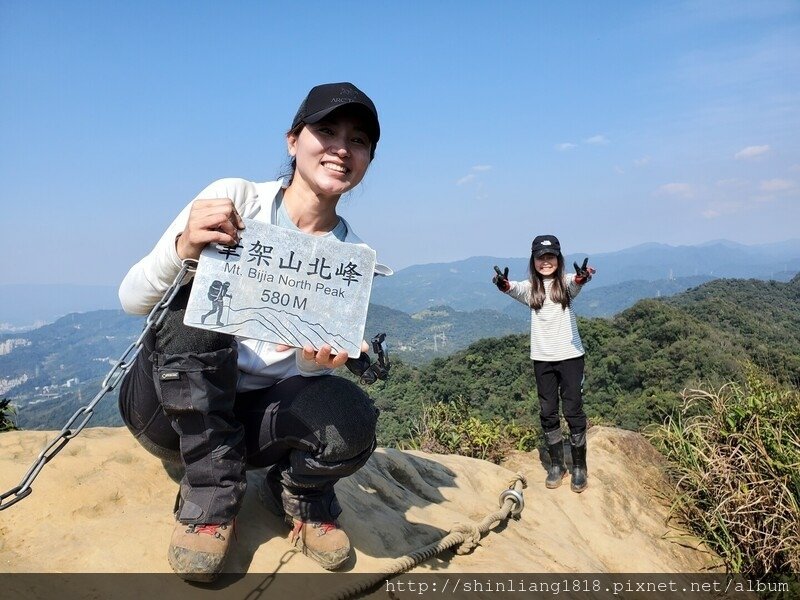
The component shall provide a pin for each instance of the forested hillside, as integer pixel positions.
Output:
(763, 315)
(637, 363)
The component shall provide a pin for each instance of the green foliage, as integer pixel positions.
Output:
(637, 363)
(8, 416)
(762, 318)
(735, 458)
(452, 428)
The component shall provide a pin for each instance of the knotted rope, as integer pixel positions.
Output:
(466, 536)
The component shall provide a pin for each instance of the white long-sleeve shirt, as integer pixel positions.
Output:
(554, 330)
(260, 364)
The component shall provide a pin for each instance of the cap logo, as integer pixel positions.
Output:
(546, 243)
(345, 91)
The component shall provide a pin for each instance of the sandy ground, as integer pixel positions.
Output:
(104, 505)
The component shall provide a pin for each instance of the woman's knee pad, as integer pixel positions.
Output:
(167, 455)
(340, 415)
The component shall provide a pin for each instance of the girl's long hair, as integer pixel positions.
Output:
(558, 290)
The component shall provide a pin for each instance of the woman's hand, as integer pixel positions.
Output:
(323, 357)
(211, 221)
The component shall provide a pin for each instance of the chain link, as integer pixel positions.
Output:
(110, 381)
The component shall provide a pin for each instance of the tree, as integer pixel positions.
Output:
(8, 416)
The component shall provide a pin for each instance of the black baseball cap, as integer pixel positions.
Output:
(545, 244)
(323, 99)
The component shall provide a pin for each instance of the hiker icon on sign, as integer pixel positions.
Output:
(217, 292)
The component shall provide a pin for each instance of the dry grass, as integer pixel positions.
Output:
(736, 467)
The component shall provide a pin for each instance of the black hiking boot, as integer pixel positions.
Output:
(557, 470)
(579, 480)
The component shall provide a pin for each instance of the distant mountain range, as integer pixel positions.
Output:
(647, 270)
(30, 306)
(466, 284)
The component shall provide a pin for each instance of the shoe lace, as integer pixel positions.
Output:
(322, 528)
(212, 529)
(325, 527)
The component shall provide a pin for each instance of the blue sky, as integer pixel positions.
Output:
(607, 123)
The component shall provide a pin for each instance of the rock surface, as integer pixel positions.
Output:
(105, 505)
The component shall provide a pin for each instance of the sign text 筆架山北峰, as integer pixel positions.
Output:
(285, 287)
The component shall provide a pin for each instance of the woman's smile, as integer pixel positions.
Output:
(335, 167)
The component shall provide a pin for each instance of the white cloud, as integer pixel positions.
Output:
(472, 175)
(640, 162)
(596, 140)
(711, 213)
(677, 189)
(619, 170)
(777, 185)
(466, 179)
(795, 168)
(751, 152)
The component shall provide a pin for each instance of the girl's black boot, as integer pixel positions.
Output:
(579, 480)
(557, 470)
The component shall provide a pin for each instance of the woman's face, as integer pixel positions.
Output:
(546, 265)
(332, 155)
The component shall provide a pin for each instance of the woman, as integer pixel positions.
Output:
(218, 404)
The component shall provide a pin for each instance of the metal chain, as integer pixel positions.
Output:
(110, 381)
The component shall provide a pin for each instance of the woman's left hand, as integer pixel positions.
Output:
(324, 357)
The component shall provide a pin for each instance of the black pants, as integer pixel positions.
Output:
(562, 380)
(180, 401)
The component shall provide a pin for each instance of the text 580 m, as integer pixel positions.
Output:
(280, 299)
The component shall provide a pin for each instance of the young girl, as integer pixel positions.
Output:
(556, 350)
(218, 404)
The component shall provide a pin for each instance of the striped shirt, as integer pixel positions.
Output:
(554, 331)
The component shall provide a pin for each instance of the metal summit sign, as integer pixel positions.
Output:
(285, 287)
